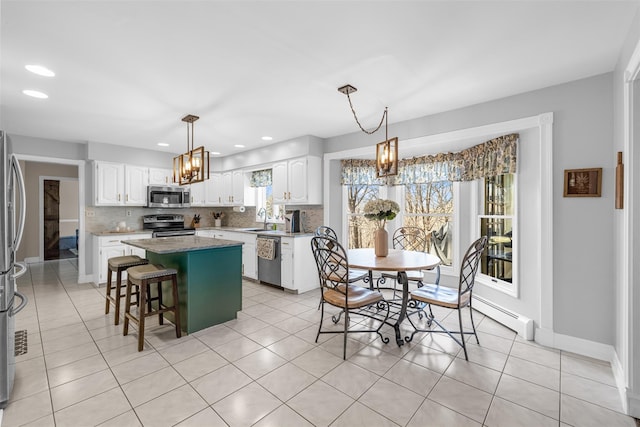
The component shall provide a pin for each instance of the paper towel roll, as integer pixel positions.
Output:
(239, 209)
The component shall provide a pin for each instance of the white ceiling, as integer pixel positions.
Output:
(128, 71)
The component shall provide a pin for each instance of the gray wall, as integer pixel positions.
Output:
(48, 147)
(583, 240)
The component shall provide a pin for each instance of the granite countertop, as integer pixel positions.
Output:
(257, 230)
(249, 230)
(119, 233)
(166, 245)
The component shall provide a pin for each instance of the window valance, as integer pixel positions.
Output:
(494, 157)
(261, 178)
(360, 172)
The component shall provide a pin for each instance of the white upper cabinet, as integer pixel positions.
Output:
(109, 183)
(117, 184)
(213, 190)
(297, 181)
(197, 193)
(160, 176)
(136, 180)
(233, 187)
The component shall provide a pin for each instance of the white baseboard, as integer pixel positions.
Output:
(596, 350)
(32, 260)
(618, 374)
(633, 404)
(521, 324)
(87, 278)
(584, 347)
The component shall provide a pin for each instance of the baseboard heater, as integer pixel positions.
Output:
(521, 324)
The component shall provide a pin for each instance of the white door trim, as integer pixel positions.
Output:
(629, 285)
(81, 203)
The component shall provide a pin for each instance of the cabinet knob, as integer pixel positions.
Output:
(127, 197)
(118, 196)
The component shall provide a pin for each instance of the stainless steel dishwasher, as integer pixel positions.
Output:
(269, 259)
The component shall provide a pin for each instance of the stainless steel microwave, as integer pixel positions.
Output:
(168, 197)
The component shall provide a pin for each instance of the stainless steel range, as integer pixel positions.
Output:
(166, 225)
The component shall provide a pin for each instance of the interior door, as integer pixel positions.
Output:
(51, 219)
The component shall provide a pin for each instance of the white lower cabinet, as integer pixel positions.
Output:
(299, 272)
(106, 247)
(286, 258)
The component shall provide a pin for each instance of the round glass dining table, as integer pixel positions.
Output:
(399, 261)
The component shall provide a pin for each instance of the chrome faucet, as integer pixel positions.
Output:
(262, 212)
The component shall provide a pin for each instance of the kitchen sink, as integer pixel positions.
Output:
(251, 229)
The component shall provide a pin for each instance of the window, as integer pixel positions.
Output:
(430, 207)
(497, 213)
(361, 230)
(264, 204)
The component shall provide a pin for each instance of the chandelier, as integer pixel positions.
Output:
(387, 150)
(193, 165)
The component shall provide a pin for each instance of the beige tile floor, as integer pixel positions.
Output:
(264, 369)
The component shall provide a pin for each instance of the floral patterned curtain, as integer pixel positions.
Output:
(360, 172)
(261, 178)
(491, 158)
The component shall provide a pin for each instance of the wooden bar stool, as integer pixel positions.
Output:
(143, 276)
(118, 265)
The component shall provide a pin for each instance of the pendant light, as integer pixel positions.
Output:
(193, 165)
(387, 150)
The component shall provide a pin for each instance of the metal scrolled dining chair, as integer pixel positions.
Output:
(410, 239)
(354, 275)
(456, 299)
(338, 291)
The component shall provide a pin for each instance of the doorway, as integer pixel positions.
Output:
(59, 217)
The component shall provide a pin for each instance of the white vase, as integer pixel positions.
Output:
(217, 223)
(381, 242)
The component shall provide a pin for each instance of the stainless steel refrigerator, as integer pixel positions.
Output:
(11, 228)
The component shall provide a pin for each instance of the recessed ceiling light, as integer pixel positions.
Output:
(267, 138)
(239, 146)
(215, 153)
(40, 70)
(163, 144)
(35, 94)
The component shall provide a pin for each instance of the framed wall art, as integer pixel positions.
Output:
(583, 182)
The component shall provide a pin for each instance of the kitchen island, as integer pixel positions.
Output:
(209, 277)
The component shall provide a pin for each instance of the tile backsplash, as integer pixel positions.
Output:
(105, 218)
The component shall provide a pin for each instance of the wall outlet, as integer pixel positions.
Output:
(91, 213)
(128, 212)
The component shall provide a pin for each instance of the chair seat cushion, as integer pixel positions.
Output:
(126, 261)
(149, 271)
(440, 295)
(358, 296)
